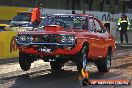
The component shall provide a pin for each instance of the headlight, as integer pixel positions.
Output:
(21, 38)
(68, 39)
(63, 39)
(30, 38)
(24, 39)
(71, 39)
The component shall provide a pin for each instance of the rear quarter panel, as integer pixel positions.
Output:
(110, 42)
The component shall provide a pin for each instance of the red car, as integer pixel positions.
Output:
(67, 37)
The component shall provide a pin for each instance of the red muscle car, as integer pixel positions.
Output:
(67, 37)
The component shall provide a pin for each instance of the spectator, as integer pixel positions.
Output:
(35, 19)
(123, 24)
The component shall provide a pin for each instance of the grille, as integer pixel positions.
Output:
(45, 38)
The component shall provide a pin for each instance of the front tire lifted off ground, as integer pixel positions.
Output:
(24, 61)
(81, 58)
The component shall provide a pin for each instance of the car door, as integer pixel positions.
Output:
(93, 39)
(102, 38)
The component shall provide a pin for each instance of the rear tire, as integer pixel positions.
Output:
(55, 66)
(24, 61)
(105, 64)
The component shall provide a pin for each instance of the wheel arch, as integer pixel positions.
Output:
(86, 44)
(109, 49)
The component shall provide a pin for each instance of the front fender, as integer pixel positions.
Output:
(80, 42)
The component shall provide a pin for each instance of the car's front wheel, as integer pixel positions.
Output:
(105, 64)
(81, 59)
(24, 61)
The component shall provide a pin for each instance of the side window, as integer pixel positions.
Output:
(91, 25)
(97, 26)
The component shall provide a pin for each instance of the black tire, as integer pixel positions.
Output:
(56, 66)
(81, 58)
(24, 61)
(105, 64)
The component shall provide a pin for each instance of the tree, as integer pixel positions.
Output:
(67, 4)
(78, 4)
(116, 5)
(90, 4)
(73, 6)
(101, 5)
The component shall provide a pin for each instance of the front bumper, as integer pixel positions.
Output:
(49, 49)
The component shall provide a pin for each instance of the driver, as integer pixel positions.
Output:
(60, 23)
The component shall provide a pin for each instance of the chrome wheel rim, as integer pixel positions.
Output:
(108, 61)
(84, 60)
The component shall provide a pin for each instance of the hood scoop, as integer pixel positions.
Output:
(53, 28)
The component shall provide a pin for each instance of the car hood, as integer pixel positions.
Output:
(53, 29)
(47, 32)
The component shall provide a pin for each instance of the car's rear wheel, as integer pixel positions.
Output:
(24, 61)
(56, 66)
(105, 64)
(81, 59)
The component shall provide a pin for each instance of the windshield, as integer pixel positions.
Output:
(67, 22)
(22, 17)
